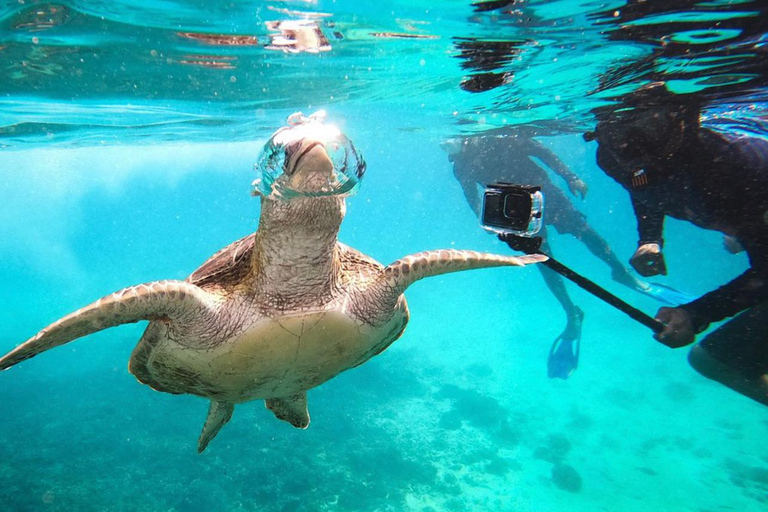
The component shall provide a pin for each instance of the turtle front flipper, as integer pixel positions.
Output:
(385, 290)
(404, 272)
(171, 300)
(292, 409)
(219, 413)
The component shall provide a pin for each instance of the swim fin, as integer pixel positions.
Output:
(666, 294)
(660, 292)
(564, 354)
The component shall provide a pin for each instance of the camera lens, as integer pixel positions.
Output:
(517, 208)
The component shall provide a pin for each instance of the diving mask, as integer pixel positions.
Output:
(279, 156)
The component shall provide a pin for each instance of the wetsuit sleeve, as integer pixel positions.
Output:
(746, 171)
(747, 290)
(548, 158)
(650, 223)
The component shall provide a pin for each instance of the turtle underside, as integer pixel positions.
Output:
(259, 352)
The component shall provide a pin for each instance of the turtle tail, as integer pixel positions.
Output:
(173, 300)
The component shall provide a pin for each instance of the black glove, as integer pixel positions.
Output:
(522, 243)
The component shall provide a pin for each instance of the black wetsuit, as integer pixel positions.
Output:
(493, 158)
(672, 166)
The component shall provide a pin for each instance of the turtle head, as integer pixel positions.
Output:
(304, 173)
(308, 158)
(308, 169)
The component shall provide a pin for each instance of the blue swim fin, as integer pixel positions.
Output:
(564, 354)
(660, 292)
(666, 294)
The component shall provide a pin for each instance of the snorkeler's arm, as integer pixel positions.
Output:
(537, 150)
(746, 291)
(648, 259)
(650, 223)
(548, 158)
(469, 187)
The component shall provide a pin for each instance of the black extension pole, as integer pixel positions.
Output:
(603, 294)
(532, 245)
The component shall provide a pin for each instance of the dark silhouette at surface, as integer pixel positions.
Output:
(507, 156)
(486, 61)
(719, 52)
(654, 145)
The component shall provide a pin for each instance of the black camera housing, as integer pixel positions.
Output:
(511, 209)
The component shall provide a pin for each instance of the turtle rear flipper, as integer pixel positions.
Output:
(292, 409)
(219, 413)
(172, 300)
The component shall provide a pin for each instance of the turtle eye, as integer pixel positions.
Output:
(291, 148)
(270, 165)
(290, 151)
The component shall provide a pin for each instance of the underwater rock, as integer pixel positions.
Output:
(480, 410)
(498, 466)
(565, 477)
(508, 435)
(480, 370)
(747, 476)
(449, 485)
(450, 479)
(682, 443)
(579, 420)
(479, 455)
(554, 450)
(450, 420)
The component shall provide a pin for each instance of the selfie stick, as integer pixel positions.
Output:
(531, 246)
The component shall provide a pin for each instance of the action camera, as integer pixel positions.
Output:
(512, 209)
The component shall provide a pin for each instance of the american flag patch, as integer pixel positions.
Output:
(639, 178)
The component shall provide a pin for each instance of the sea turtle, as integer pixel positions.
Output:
(277, 312)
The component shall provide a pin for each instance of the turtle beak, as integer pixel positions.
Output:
(308, 167)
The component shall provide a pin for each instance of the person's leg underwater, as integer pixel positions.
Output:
(564, 354)
(598, 246)
(736, 354)
(567, 219)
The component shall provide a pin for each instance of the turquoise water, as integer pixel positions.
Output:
(130, 166)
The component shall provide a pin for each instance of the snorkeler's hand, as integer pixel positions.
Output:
(678, 327)
(577, 187)
(732, 244)
(648, 260)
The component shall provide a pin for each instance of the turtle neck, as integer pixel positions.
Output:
(294, 260)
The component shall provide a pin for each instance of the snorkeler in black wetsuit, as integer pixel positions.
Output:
(671, 165)
(507, 156)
